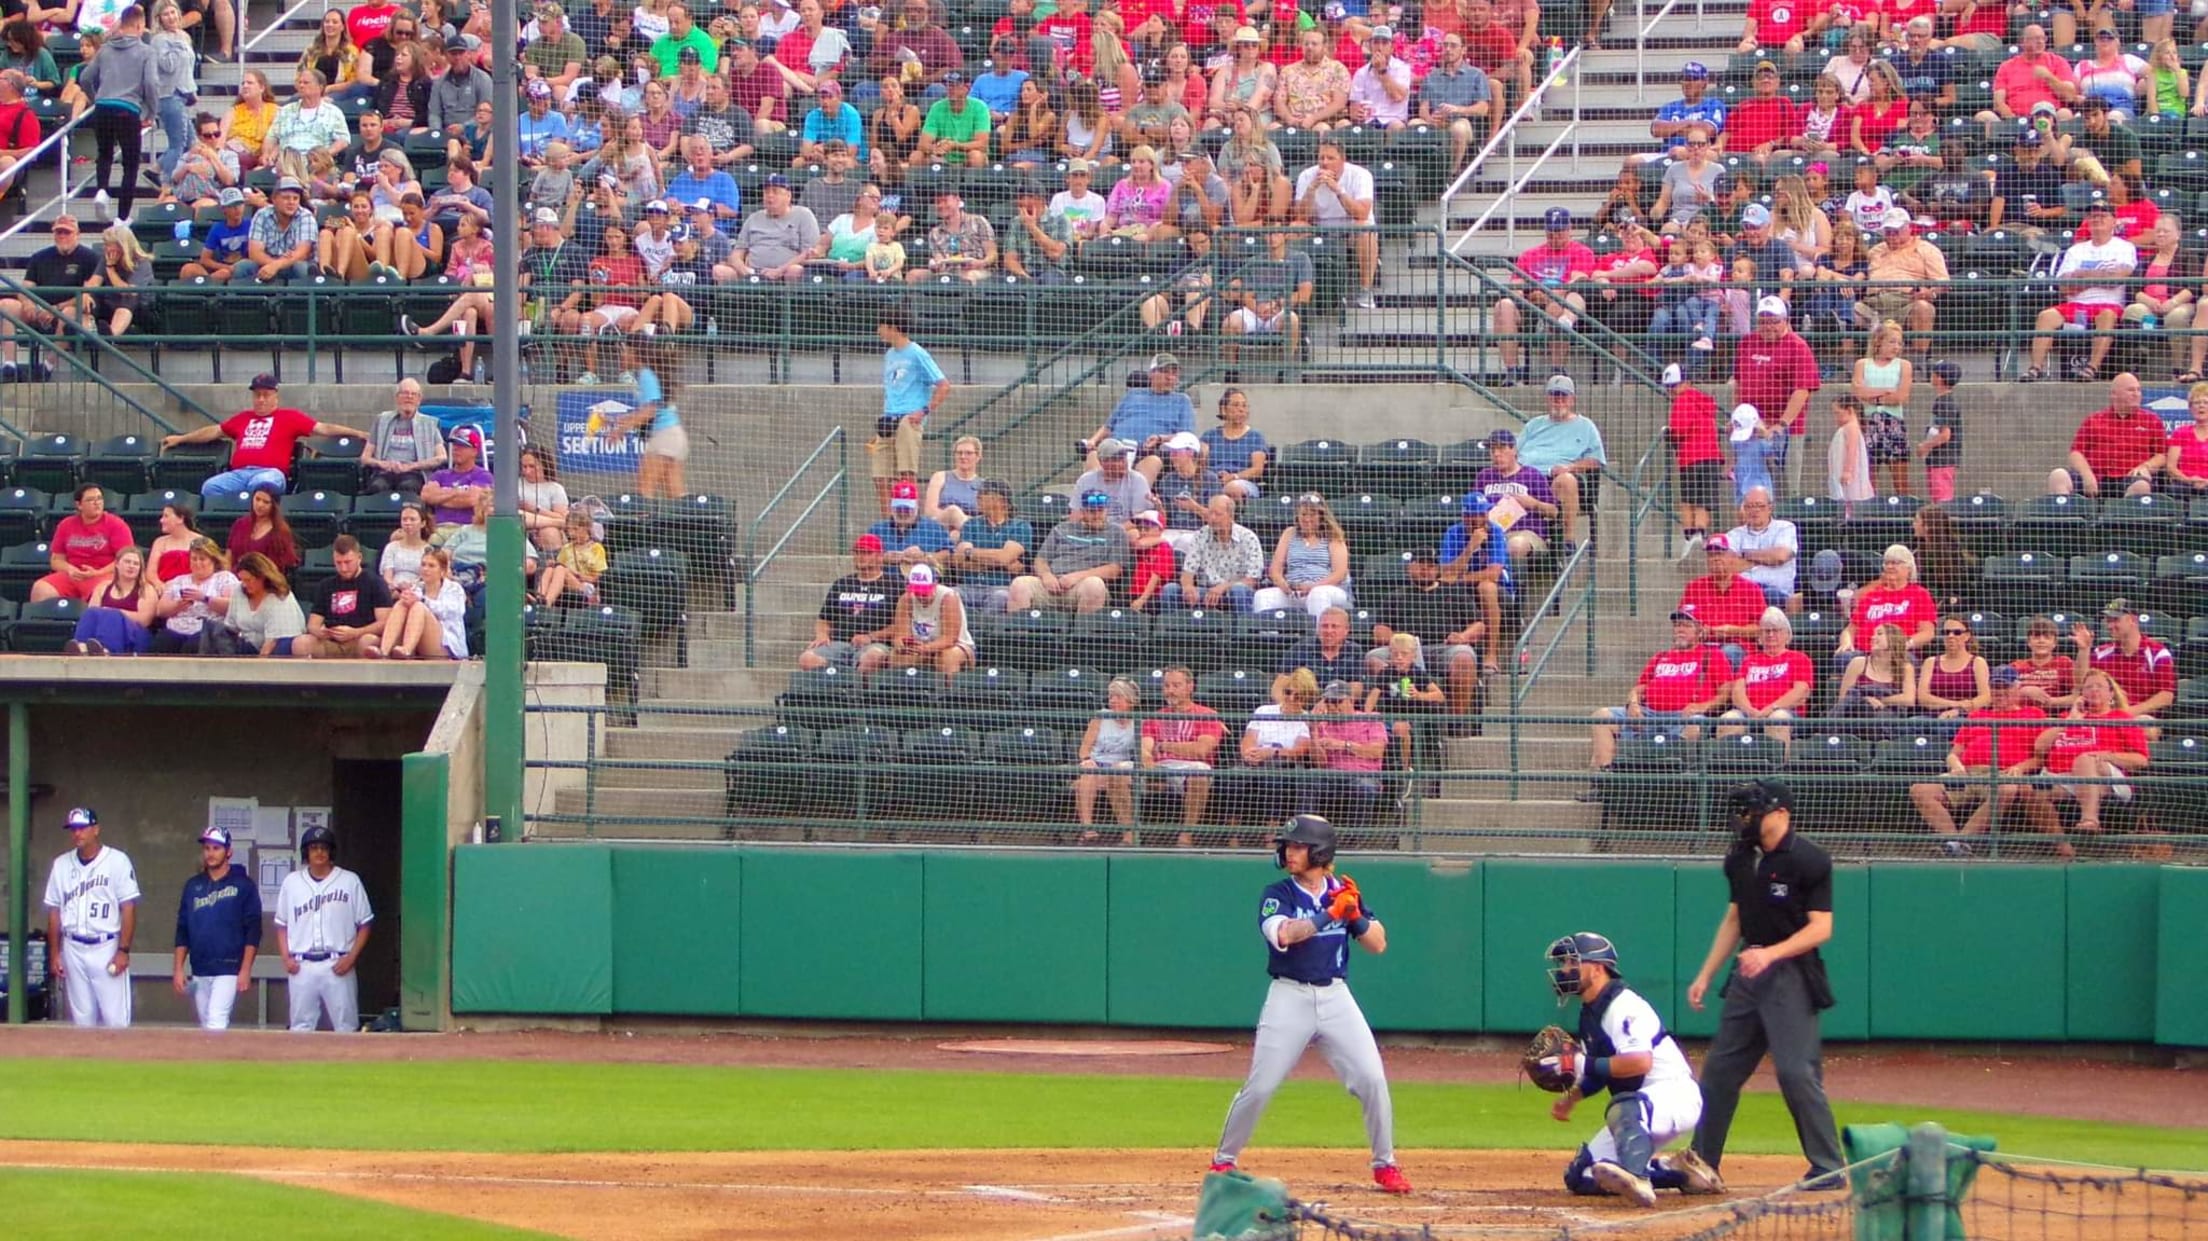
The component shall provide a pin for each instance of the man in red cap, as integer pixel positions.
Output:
(907, 538)
(856, 616)
(1728, 605)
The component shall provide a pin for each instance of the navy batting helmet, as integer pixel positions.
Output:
(1305, 829)
(1567, 954)
(319, 834)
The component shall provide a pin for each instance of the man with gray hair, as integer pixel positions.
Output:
(19, 129)
(1925, 73)
(1771, 545)
(404, 445)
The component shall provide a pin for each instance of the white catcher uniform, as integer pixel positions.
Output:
(320, 919)
(1644, 1112)
(90, 897)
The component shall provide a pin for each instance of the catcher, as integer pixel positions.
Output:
(1623, 1048)
(1308, 921)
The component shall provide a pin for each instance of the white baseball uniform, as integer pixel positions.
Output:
(320, 919)
(90, 896)
(1674, 1101)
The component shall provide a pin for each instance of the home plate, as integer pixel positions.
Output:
(1084, 1047)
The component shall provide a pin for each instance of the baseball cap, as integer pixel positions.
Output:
(1755, 215)
(2043, 108)
(954, 77)
(470, 436)
(1030, 188)
(1562, 385)
(1477, 502)
(702, 204)
(1096, 499)
(538, 88)
(2104, 33)
(2120, 606)
(230, 196)
(2029, 138)
(1164, 362)
(1109, 447)
(1247, 34)
(1745, 421)
(655, 207)
(1182, 441)
(1422, 555)
(1947, 371)
(263, 382)
(215, 836)
(1765, 66)
(1559, 220)
(1723, 184)
(1079, 165)
(1894, 218)
(904, 495)
(1673, 377)
(2092, 102)
(546, 215)
(689, 56)
(775, 180)
(994, 487)
(1503, 436)
(827, 87)
(2002, 677)
(1694, 70)
(1772, 307)
(457, 43)
(2099, 206)
(292, 184)
(1335, 691)
(1151, 517)
(1825, 569)
(1682, 614)
(920, 580)
(81, 816)
(1381, 34)
(867, 543)
(1717, 543)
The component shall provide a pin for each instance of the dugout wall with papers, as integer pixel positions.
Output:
(2083, 952)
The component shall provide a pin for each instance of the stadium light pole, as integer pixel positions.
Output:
(502, 672)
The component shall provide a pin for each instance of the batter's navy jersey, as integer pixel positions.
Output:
(1320, 959)
(216, 919)
(1618, 1022)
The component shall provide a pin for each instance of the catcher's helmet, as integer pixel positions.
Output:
(1751, 801)
(1566, 954)
(1305, 829)
(319, 834)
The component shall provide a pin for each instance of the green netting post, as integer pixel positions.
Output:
(1927, 1173)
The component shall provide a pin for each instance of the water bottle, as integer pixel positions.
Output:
(1556, 61)
(481, 372)
(712, 327)
(184, 231)
(2148, 323)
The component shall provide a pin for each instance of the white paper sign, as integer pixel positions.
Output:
(272, 873)
(272, 826)
(235, 815)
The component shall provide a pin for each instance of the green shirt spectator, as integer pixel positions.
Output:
(667, 50)
(949, 124)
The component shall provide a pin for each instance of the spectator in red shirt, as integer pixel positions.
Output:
(263, 439)
(2143, 668)
(1980, 748)
(1154, 569)
(2045, 677)
(1695, 455)
(1729, 605)
(1776, 24)
(1495, 50)
(2124, 441)
(1894, 599)
(1186, 744)
(1676, 688)
(1773, 681)
(84, 549)
(1351, 744)
(1069, 30)
(1551, 270)
(1764, 124)
(1775, 371)
(2095, 741)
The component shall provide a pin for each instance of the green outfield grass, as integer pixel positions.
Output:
(498, 1106)
(70, 1205)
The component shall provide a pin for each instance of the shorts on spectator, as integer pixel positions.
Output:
(2155, 8)
(68, 587)
(1882, 304)
(1247, 322)
(2120, 792)
(1653, 724)
(672, 443)
(615, 316)
(2071, 311)
(1702, 484)
(327, 647)
(1186, 766)
(1040, 596)
(848, 654)
(1939, 483)
(899, 456)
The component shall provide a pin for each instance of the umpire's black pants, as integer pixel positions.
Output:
(1770, 1012)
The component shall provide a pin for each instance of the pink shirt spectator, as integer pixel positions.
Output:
(1354, 729)
(1131, 204)
(1768, 372)
(2024, 87)
(1365, 88)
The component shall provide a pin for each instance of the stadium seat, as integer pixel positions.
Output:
(936, 762)
(225, 507)
(1460, 464)
(1321, 465)
(1402, 467)
(604, 635)
(142, 511)
(1816, 520)
(1371, 521)
(1994, 636)
(762, 775)
(819, 698)
(375, 518)
(1031, 640)
(2180, 584)
(854, 774)
(1426, 519)
(316, 516)
(2180, 797)
(2055, 525)
(1268, 515)
(2096, 579)
(1235, 691)
(2148, 525)
(49, 463)
(21, 565)
(1026, 787)
(628, 522)
(1824, 772)
(1064, 697)
(2024, 582)
(43, 628)
(184, 469)
(22, 516)
(316, 568)
(983, 697)
(1982, 521)
(1114, 639)
(703, 528)
(902, 697)
(652, 583)
(1262, 638)
(329, 463)
(122, 465)
(1877, 525)
(1196, 637)
(1745, 756)
(1384, 571)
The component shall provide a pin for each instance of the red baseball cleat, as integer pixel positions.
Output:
(1390, 1179)
(1222, 1165)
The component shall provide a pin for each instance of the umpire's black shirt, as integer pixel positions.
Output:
(1776, 890)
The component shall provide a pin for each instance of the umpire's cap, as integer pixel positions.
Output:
(319, 834)
(1567, 954)
(1758, 798)
(1305, 829)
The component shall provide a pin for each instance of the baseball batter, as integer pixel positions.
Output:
(1308, 921)
(218, 932)
(322, 918)
(92, 913)
(1624, 1049)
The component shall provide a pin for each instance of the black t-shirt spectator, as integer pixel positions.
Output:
(551, 270)
(1348, 666)
(595, 29)
(854, 605)
(1432, 615)
(360, 159)
(1923, 79)
(1771, 258)
(2014, 183)
(381, 53)
(56, 269)
(354, 601)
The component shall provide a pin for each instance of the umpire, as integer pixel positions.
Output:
(1780, 911)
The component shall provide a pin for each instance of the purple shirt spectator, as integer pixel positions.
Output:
(1527, 481)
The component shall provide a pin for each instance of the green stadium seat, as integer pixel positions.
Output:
(329, 463)
(2055, 525)
(21, 565)
(1402, 467)
(761, 772)
(1065, 697)
(316, 517)
(22, 515)
(982, 696)
(122, 464)
(1113, 639)
(1320, 465)
(1197, 637)
(45, 627)
(49, 462)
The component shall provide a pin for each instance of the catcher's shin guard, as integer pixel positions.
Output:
(1627, 1120)
(1579, 1177)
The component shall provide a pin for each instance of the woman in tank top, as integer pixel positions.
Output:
(1110, 744)
(930, 630)
(953, 494)
(172, 550)
(119, 618)
(1954, 682)
(1310, 566)
(1882, 381)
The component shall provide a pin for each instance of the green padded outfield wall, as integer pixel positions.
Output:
(1919, 951)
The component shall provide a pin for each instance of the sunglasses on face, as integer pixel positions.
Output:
(1955, 633)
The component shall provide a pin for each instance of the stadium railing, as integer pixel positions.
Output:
(834, 450)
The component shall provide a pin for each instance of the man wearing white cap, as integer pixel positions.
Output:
(930, 629)
(1380, 90)
(1751, 439)
(1184, 489)
(218, 932)
(1908, 274)
(1563, 444)
(1775, 371)
(1696, 458)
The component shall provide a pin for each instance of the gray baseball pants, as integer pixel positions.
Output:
(1296, 1013)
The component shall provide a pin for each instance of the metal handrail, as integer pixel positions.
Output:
(273, 26)
(107, 348)
(838, 483)
(1640, 52)
(1523, 677)
(30, 161)
(1564, 68)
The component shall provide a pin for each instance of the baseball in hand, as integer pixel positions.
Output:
(113, 968)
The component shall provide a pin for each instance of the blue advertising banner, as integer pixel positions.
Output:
(2168, 402)
(583, 418)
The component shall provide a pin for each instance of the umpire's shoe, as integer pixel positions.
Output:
(1616, 1180)
(1701, 1178)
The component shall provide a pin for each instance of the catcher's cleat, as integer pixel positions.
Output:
(1701, 1177)
(1616, 1180)
(1222, 1165)
(1390, 1179)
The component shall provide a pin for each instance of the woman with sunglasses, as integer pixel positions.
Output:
(1956, 681)
(1310, 566)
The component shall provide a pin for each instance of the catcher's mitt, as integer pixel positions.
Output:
(1551, 1059)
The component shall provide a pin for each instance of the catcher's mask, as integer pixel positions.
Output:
(1566, 954)
(1305, 829)
(1750, 802)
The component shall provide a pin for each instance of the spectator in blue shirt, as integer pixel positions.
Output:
(832, 118)
(1563, 444)
(540, 126)
(700, 179)
(1695, 106)
(226, 239)
(1147, 417)
(999, 89)
(1474, 554)
(993, 546)
(1234, 451)
(907, 537)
